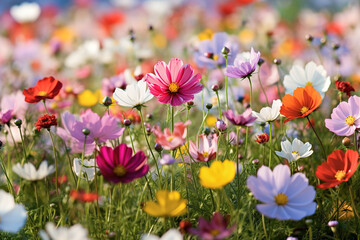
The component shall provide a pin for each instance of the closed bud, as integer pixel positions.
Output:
(346, 141)
(261, 61)
(127, 122)
(184, 226)
(18, 122)
(255, 161)
(309, 38)
(215, 87)
(220, 125)
(107, 101)
(158, 147)
(277, 61)
(209, 55)
(225, 51)
(86, 131)
(335, 46)
(190, 103)
(209, 106)
(149, 116)
(151, 27)
(323, 41)
(207, 131)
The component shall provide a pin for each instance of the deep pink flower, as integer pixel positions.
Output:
(206, 150)
(175, 83)
(171, 141)
(244, 119)
(119, 165)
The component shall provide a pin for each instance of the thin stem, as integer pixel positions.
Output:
(270, 136)
(353, 202)
(226, 88)
(10, 186)
(264, 226)
(148, 184)
(237, 163)
(45, 107)
(218, 146)
(12, 136)
(36, 194)
(262, 88)
(250, 92)
(219, 104)
(211, 193)
(56, 165)
(185, 177)
(82, 164)
(322, 146)
(131, 140)
(172, 118)
(96, 184)
(23, 146)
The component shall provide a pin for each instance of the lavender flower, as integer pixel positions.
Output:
(244, 65)
(244, 119)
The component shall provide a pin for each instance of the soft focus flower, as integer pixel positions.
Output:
(215, 229)
(218, 174)
(172, 234)
(311, 75)
(206, 150)
(244, 65)
(169, 204)
(25, 12)
(46, 121)
(174, 83)
(295, 150)
(29, 172)
(108, 85)
(269, 114)
(135, 95)
(333, 223)
(167, 159)
(338, 168)
(244, 119)
(171, 141)
(12, 106)
(262, 138)
(303, 102)
(345, 118)
(88, 98)
(88, 170)
(46, 88)
(83, 196)
(284, 197)
(75, 232)
(344, 86)
(12, 215)
(119, 165)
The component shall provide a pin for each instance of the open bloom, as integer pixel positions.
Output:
(46, 88)
(76, 232)
(119, 165)
(172, 234)
(174, 83)
(284, 197)
(25, 12)
(345, 118)
(12, 215)
(171, 141)
(295, 150)
(88, 169)
(218, 174)
(215, 229)
(344, 86)
(311, 75)
(12, 105)
(338, 168)
(46, 121)
(206, 150)
(135, 95)
(29, 172)
(269, 114)
(244, 65)
(244, 119)
(303, 102)
(169, 204)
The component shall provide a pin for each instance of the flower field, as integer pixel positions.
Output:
(171, 120)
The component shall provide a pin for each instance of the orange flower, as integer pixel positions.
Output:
(303, 102)
(46, 88)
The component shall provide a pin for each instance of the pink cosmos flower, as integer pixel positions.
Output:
(206, 150)
(174, 83)
(119, 165)
(12, 105)
(171, 141)
(244, 119)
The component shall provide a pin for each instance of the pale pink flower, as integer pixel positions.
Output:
(206, 150)
(171, 141)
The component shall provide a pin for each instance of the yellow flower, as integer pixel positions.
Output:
(218, 174)
(88, 98)
(64, 34)
(211, 120)
(206, 34)
(246, 36)
(159, 40)
(169, 204)
(184, 151)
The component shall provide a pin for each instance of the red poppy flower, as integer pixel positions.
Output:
(46, 121)
(46, 88)
(345, 87)
(262, 138)
(338, 168)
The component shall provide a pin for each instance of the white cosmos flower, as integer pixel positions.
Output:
(29, 172)
(135, 94)
(88, 168)
(269, 114)
(172, 234)
(312, 74)
(76, 232)
(295, 150)
(12, 216)
(25, 12)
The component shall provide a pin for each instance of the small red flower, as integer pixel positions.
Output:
(83, 196)
(345, 87)
(262, 138)
(184, 226)
(338, 168)
(46, 88)
(46, 121)
(60, 179)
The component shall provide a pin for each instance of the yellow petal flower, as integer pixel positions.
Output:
(184, 151)
(88, 98)
(169, 204)
(218, 174)
(206, 34)
(211, 120)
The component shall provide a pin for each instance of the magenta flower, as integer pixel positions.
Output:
(206, 150)
(244, 119)
(244, 65)
(345, 118)
(174, 83)
(215, 229)
(119, 165)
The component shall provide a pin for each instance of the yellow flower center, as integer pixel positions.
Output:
(170, 138)
(68, 89)
(120, 170)
(304, 110)
(214, 232)
(173, 87)
(350, 120)
(205, 154)
(340, 175)
(54, 105)
(215, 57)
(42, 93)
(309, 84)
(281, 199)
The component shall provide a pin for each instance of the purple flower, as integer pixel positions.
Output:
(284, 197)
(167, 159)
(215, 229)
(220, 125)
(110, 84)
(209, 53)
(244, 119)
(244, 65)
(333, 223)
(345, 118)
(119, 165)
(12, 105)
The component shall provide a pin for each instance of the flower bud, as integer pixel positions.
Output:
(262, 138)
(184, 226)
(167, 159)
(335, 46)
(190, 103)
(107, 101)
(309, 38)
(261, 61)
(209, 55)
(127, 122)
(209, 106)
(346, 141)
(225, 51)
(149, 116)
(277, 61)
(323, 41)
(333, 225)
(255, 161)
(158, 147)
(151, 27)
(207, 131)
(86, 131)
(220, 125)
(215, 87)
(18, 122)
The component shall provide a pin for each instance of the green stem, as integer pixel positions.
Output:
(219, 104)
(23, 146)
(56, 162)
(10, 186)
(172, 118)
(82, 164)
(211, 193)
(322, 146)
(218, 146)
(262, 88)
(251, 94)
(237, 163)
(96, 183)
(270, 136)
(36, 194)
(45, 107)
(353, 202)
(264, 226)
(131, 140)
(226, 88)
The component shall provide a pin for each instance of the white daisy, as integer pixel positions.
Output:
(135, 94)
(269, 114)
(172, 234)
(312, 74)
(12, 216)
(88, 168)
(295, 150)
(25, 12)
(76, 232)
(29, 172)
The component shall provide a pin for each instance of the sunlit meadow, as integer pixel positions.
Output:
(184, 119)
